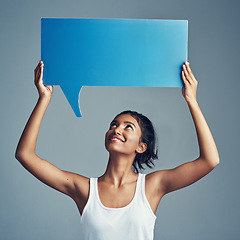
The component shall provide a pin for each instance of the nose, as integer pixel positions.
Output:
(117, 131)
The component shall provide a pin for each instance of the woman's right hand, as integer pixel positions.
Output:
(44, 91)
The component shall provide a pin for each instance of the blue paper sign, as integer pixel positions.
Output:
(112, 52)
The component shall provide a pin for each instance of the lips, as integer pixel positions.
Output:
(116, 139)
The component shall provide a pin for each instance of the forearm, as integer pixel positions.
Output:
(28, 140)
(207, 146)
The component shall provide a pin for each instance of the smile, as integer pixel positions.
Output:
(116, 139)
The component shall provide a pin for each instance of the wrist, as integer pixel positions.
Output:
(44, 99)
(192, 102)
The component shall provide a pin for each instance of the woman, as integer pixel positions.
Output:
(121, 204)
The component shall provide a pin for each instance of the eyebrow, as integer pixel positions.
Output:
(130, 123)
(115, 121)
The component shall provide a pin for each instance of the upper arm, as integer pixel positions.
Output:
(184, 175)
(63, 181)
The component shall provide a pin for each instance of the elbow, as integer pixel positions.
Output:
(211, 162)
(24, 155)
(214, 162)
(20, 155)
(211, 159)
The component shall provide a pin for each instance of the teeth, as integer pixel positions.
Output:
(116, 139)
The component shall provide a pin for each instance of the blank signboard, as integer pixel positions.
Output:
(112, 52)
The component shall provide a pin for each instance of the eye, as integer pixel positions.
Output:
(129, 127)
(113, 125)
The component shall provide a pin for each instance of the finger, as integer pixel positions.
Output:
(37, 69)
(184, 78)
(190, 71)
(39, 65)
(188, 67)
(188, 76)
(36, 76)
(186, 72)
(39, 75)
(41, 70)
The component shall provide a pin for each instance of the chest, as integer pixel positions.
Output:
(113, 197)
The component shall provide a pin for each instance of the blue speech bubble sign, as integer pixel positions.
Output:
(112, 52)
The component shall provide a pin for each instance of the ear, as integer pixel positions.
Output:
(141, 148)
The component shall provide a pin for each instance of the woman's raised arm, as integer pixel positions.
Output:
(25, 153)
(188, 173)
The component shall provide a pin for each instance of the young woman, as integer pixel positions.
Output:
(121, 204)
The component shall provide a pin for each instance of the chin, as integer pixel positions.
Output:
(113, 149)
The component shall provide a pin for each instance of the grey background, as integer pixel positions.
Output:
(209, 209)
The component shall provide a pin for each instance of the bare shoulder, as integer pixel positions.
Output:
(154, 182)
(155, 177)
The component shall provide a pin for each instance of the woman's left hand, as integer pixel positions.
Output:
(189, 91)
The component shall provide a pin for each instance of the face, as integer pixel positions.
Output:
(124, 136)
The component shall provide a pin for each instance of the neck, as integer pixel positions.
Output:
(119, 169)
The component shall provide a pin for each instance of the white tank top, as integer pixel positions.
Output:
(134, 221)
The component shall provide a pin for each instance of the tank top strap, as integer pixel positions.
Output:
(138, 189)
(142, 182)
(143, 194)
(142, 185)
(93, 186)
(92, 195)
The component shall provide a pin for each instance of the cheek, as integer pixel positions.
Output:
(134, 140)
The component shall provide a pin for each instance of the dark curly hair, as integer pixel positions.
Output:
(149, 137)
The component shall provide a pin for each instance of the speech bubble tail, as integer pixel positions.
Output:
(72, 94)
